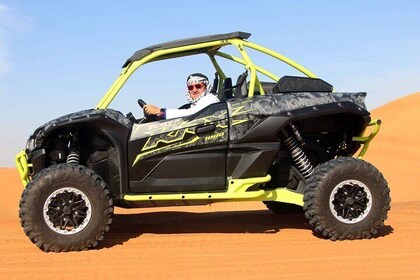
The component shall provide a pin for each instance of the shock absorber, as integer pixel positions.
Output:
(74, 149)
(298, 155)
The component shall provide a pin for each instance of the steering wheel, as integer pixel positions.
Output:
(148, 117)
(141, 103)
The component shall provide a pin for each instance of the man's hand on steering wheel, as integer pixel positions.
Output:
(150, 109)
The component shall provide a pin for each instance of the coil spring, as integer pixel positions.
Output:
(73, 157)
(298, 155)
(74, 151)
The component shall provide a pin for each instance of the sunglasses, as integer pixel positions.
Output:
(197, 86)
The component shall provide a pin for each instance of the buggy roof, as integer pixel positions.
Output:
(184, 42)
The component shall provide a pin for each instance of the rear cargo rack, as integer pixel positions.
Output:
(365, 140)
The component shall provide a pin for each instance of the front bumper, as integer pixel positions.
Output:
(23, 167)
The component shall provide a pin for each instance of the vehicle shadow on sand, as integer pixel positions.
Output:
(129, 226)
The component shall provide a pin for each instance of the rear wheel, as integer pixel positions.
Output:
(346, 198)
(66, 207)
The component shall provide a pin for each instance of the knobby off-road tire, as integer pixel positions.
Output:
(346, 198)
(66, 207)
(283, 208)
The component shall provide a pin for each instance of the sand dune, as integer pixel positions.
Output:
(239, 240)
(396, 149)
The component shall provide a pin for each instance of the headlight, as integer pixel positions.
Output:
(30, 144)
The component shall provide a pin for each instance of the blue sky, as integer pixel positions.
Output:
(58, 57)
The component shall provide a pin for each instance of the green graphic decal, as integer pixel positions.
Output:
(166, 148)
(171, 137)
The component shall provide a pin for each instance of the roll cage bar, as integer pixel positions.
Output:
(209, 45)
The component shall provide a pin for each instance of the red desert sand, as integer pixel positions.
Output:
(239, 240)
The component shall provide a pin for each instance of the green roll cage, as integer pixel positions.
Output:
(210, 48)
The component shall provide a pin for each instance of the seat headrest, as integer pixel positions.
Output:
(226, 91)
(240, 87)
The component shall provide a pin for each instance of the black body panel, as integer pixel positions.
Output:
(266, 129)
(251, 159)
(204, 169)
(38, 160)
(109, 125)
(247, 113)
(82, 117)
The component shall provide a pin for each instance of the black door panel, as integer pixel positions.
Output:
(162, 154)
(201, 171)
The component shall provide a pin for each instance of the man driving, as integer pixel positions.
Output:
(198, 95)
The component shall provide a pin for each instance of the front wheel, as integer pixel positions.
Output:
(66, 207)
(346, 198)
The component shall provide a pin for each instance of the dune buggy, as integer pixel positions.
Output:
(288, 142)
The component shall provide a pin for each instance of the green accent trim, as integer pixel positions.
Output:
(286, 60)
(222, 75)
(148, 146)
(365, 140)
(175, 55)
(249, 65)
(241, 61)
(22, 167)
(172, 146)
(259, 85)
(237, 191)
(238, 111)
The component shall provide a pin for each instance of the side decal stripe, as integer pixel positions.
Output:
(141, 155)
